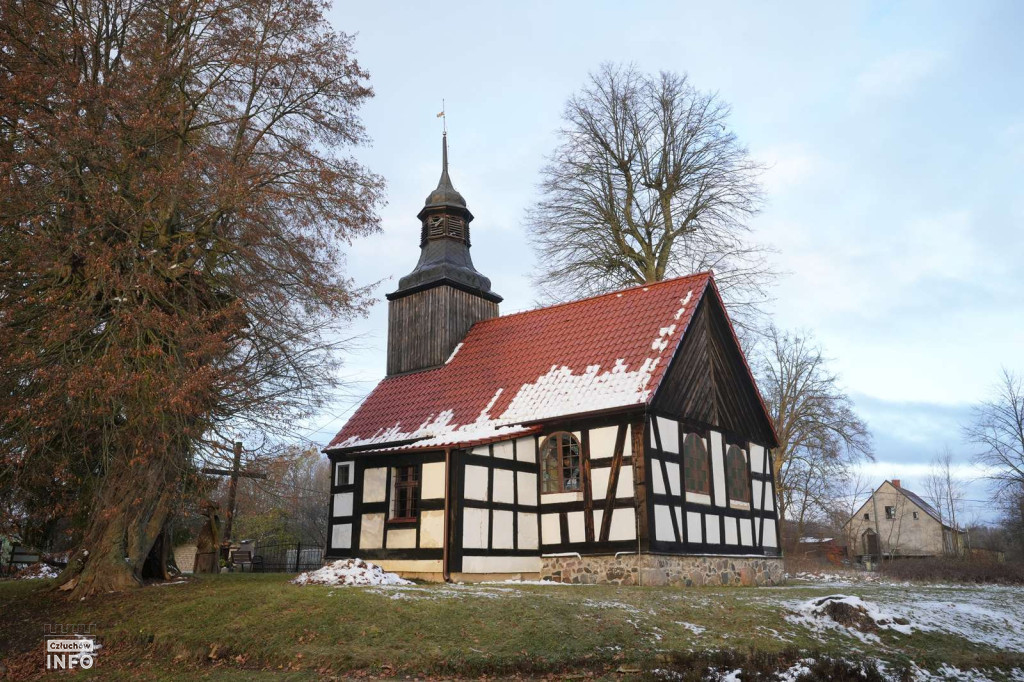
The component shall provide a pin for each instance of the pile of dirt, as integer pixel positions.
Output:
(852, 612)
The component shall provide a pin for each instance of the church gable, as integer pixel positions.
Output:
(709, 381)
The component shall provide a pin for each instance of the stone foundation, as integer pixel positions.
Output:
(663, 569)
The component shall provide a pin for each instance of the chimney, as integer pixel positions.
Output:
(896, 483)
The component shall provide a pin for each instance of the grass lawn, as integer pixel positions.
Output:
(242, 626)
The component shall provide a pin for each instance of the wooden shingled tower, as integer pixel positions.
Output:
(444, 295)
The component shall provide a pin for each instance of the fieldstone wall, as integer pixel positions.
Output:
(663, 569)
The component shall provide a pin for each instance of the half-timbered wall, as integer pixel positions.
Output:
(361, 492)
(721, 522)
(496, 524)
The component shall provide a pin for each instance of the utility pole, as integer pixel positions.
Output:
(234, 473)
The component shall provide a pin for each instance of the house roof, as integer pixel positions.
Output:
(602, 353)
(910, 495)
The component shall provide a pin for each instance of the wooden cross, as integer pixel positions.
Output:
(235, 472)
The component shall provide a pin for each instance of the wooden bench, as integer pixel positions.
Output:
(241, 560)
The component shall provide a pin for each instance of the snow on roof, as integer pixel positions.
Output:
(600, 353)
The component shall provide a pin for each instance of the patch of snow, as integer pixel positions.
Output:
(732, 676)
(530, 582)
(793, 672)
(695, 629)
(38, 571)
(452, 356)
(684, 302)
(349, 572)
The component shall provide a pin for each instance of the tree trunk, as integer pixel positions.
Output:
(130, 514)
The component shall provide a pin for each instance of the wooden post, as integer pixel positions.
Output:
(640, 483)
(233, 490)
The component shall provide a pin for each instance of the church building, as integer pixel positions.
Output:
(619, 438)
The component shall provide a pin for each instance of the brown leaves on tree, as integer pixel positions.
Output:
(174, 209)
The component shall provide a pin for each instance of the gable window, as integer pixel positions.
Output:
(695, 464)
(867, 517)
(736, 469)
(890, 513)
(915, 516)
(343, 473)
(404, 494)
(560, 463)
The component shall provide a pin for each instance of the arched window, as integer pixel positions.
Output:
(695, 464)
(560, 462)
(736, 470)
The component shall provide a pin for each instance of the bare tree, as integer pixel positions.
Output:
(998, 429)
(647, 183)
(820, 435)
(946, 494)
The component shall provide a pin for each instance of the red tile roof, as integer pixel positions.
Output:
(600, 353)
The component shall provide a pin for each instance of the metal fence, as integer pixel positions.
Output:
(292, 557)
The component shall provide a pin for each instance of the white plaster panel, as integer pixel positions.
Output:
(503, 530)
(341, 535)
(712, 526)
(401, 538)
(432, 528)
(769, 499)
(503, 450)
(500, 564)
(475, 528)
(598, 517)
(693, 527)
(482, 450)
(758, 488)
(673, 477)
(668, 431)
(599, 482)
(432, 486)
(526, 450)
(602, 442)
(623, 524)
(343, 504)
(371, 532)
(476, 483)
(410, 565)
(527, 531)
(746, 534)
(663, 523)
(657, 479)
(527, 483)
(504, 486)
(756, 458)
(375, 482)
(698, 498)
(718, 469)
(625, 486)
(770, 539)
(550, 530)
(556, 498)
(731, 536)
(577, 529)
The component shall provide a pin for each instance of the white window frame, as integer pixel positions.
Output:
(349, 467)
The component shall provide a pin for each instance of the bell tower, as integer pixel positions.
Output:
(444, 295)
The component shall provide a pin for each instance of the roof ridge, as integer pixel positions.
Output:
(704, 273)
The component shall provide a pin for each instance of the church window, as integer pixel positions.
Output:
(403, 497)
(695, 464)
(736, 468)
(560, 458)
(343, 473)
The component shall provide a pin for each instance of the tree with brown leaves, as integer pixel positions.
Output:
(176, 197)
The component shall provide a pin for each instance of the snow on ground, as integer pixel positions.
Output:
(349, 572)
(528, 582)
(37, 572)
(991, 615)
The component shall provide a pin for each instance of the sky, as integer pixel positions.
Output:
(894, 139)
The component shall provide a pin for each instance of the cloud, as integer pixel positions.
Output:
(896, 73)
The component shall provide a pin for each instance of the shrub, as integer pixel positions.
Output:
(957, 570)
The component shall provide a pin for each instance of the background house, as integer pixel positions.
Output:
(896, 522)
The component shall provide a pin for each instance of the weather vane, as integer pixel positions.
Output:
(444, 119)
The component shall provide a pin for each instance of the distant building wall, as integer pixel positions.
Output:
(900, 535)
